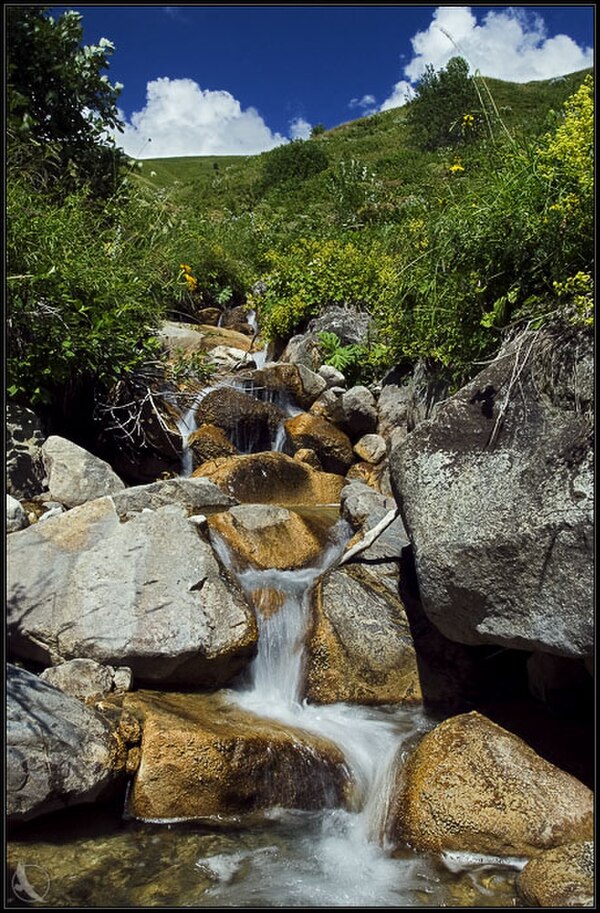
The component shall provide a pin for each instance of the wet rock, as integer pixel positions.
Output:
(230, 358)
(371, 448)
(359, 648)
(74, 475)
(250, 425)
(24, 466)
(185, 338)
(147, 593)
(208, 443)
(271, 478)
(331, 445)
(497, 495)
(308, 456)
(287, 381)
(471, 785)
(204, 758)
(562, 877)
(265, 536)
(329, 406)
(60, 752)
(194, 495)
(375, 476)
(210, 316)
(16, 518)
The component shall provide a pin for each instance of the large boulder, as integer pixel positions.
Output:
(147, 593)
(16, 518)
(208, 443)
(205, 758)
(472, 786)
(360, 411)
(59, 752)
(359, 648)
(194, 495)
(87, 679)
(497, 494)
(24, 465)
(562, 877)
(75, 475)
(272, 478)
(250, 425)
(265, 536)
(332, 446)
(286, 383)
(406, 400)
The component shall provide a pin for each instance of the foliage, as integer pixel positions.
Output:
(313, 274)
(86, 285)
(446, 109)
(335, 354)
(295, 161)
(189, 367)
(60, 105)
(356, 192)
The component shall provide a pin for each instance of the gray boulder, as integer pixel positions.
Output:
(59, 752)
(147, 593)
(24, 466)
(371, 448)
(84, 678)
(74, 475)
(194, 495)
(496, 492)
(360, 411)
(16, 518)
(406, 400)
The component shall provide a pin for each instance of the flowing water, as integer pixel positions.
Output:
(333, 857)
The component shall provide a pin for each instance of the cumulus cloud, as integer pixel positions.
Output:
(401, 93)
(180, 118)
(510, 43)
(300, 128)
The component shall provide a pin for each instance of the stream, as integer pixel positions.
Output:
(331, 857)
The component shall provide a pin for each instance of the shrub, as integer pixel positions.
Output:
(313, 274)
(295, 161)
(446, 108)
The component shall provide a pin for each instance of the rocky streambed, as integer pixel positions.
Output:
(251, 684)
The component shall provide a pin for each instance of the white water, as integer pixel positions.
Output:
(339, 857)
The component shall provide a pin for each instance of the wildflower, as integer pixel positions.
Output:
(191, 282)
(468, 120)
(456, 168)
(185, 267)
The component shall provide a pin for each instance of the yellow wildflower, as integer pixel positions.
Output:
(456, 167)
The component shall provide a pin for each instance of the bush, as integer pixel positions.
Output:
(313, 274)
(86, 289)
(295, 161)
(446, 109)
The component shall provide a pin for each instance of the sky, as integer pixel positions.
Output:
(202, 79)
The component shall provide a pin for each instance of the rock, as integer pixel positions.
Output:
(562, 877)
(194, 495)
(564, 685)
(360, 411)
(209, 316)
(286, 382)
(331, 445)
(24, 465)
(250, 425)
(230, 357)
(60, 752)
(364, 508)
(371, 448)
(308, 456)
(74, 475)
(52, 512)
(331, 376)
(472, 786)
(329, 406)
(123, 679)
(271, 478)
(359, 648)
(185, 338)
(208, 443)
(407, 400)
(497, 495)
(235, 318)
(375, 476)
(204, 758)
(305, 350)
(351, 326)
(81, 678)
(265, 536)
(16, 518)
(147, 593)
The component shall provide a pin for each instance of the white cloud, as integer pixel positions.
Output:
(300, 128)
(510, 44)
(402, 92)
(367, 104)
(180, 118)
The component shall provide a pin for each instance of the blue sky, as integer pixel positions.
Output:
(229, 79)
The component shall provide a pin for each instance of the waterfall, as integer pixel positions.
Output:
(351, 865)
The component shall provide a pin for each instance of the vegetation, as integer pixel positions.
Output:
(453, 220)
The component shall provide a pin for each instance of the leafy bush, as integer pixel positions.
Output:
(86, 286)
(313, 274)
(58, 101)
(295, 161)
(446, 109)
